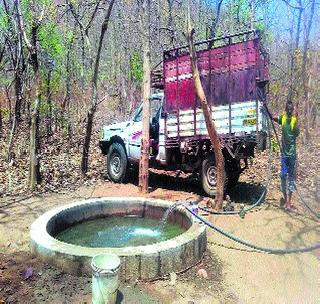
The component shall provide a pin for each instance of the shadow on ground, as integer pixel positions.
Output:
(243, 192)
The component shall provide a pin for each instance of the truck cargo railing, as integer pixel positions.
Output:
(157, 77)
(213, 43)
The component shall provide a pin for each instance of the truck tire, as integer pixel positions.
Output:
(208, 176)
(117, 163)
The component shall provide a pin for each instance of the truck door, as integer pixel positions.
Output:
(134, 136)
(135, 132)
(155, 112)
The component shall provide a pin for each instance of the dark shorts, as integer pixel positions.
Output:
(288, 169)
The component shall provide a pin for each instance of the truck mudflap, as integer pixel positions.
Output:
(104, 146)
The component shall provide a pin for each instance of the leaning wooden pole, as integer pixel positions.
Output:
(144, 158)
(213, 134)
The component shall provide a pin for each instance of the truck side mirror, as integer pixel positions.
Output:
(163, 115)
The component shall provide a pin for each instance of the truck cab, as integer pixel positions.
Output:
(121, 142)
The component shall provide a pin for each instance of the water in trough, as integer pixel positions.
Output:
(118, 231)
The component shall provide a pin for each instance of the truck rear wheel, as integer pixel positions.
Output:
(117, 163)
(208, 176)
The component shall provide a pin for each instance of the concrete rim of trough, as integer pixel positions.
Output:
(47, 247)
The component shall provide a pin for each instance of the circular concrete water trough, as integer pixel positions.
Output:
(140, 262)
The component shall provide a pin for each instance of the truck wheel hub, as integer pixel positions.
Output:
(211, 176)
(115, 164)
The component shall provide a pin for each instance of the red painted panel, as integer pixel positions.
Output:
(187, 94)
(170, 96)
(228, 74)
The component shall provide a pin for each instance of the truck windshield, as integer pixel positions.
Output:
(155, 105)
(138, 114)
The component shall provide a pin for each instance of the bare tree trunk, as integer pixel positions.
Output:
(16, 117)
(10, 142)
(252, 14)
(83, 62)
(34, 173)
(15, 50)
(86, 144)
(67, 98)
(306, 78)
(94, 98)
(170, 23)
(49, 102)
(296, 46)
(18, 93)
(144, 158)
(214, 137)
(1, 121)
(231, 16)
(7, 90)
(66, 101)
(34, 170)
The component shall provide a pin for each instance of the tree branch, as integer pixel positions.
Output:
(76, 16)
(166, 29)
(104, 28)
(293, 6)
(215, 21)
(41, 15)
(92, 17)
(1, 54)
(22, 28)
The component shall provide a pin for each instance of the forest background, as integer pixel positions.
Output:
(69, 67)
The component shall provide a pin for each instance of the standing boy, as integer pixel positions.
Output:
(290, 132)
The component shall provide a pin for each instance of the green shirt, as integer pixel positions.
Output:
(289, 136)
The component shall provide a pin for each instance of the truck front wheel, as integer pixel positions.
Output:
(208, 176)
(117, 163)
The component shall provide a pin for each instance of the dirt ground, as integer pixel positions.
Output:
(228, 273)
